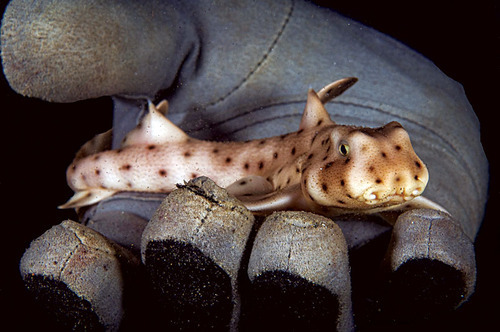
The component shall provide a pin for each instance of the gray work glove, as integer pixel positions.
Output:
(242, 72)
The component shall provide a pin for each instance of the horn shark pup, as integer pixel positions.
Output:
(323, 167)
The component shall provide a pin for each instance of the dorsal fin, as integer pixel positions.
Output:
(155, 128)
(335, 89)
(315, 113)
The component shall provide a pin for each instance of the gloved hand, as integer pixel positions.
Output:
(241, 72)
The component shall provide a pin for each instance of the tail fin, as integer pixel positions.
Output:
(87, 197)
(100, 142)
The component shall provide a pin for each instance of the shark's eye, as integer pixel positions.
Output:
(344, 149)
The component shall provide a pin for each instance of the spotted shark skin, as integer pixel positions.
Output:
(323, 167)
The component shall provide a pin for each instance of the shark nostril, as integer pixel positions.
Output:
(411, 193)
(369, 195)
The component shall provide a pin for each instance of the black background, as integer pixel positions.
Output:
(39, 139)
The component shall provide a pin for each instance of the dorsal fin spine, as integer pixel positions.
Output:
(335, 89)
(315, 113)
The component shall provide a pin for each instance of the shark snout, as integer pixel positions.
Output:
(394, 193)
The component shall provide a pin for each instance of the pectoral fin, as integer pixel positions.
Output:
(391, 214)
(249, 186)
(422, 202)
(290, 198)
